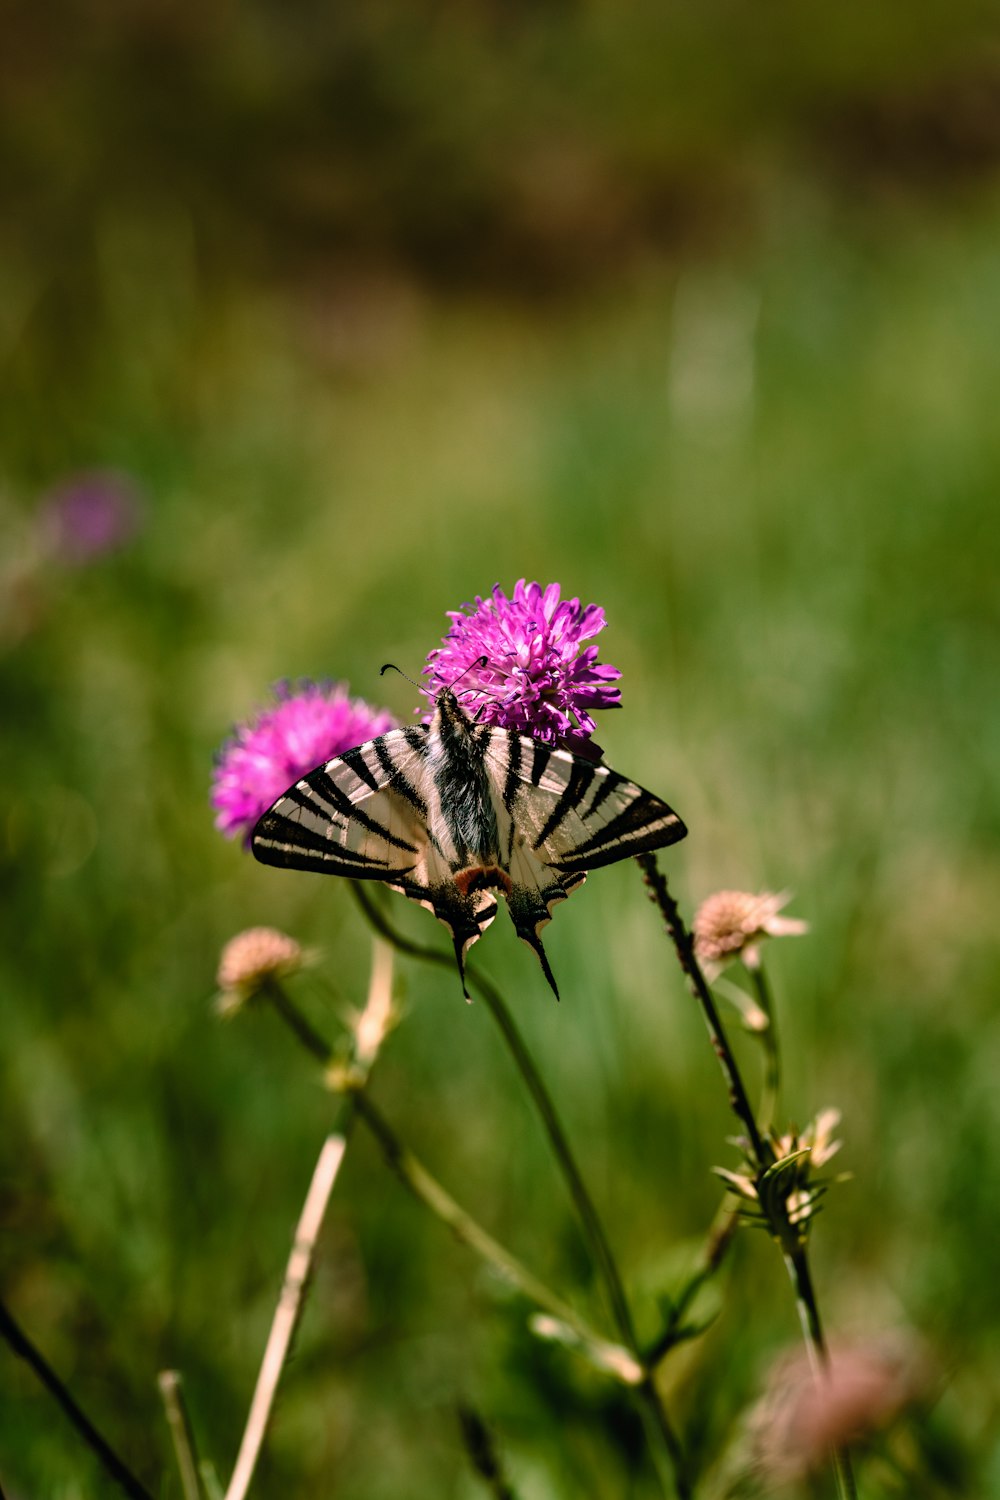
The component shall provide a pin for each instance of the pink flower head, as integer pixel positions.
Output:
(536, 678)
(311, 723)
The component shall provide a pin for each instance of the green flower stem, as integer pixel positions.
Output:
(297, 1023)
(772, 1057)
(98, 1445)
(592, 1227)
(419, 1181)
(656, 884)
(415, 1177)
(179, 1422)
(717, 1241)
(664, 1442)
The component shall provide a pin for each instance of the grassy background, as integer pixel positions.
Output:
(761, 433)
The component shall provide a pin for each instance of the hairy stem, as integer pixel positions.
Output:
(656, 884)
(759, 1143)
(98, 1445)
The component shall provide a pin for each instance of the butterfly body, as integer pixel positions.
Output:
(451, 813)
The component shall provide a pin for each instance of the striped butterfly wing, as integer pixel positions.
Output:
(371, 814)
(361, 814)
(577, 815)
(565, 816)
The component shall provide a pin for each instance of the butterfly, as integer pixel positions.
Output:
(453, 812)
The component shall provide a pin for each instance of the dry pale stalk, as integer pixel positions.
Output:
(287, 1312)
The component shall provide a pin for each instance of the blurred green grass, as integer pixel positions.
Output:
(776, 467)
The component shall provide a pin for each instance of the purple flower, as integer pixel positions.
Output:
(536, 679)
(90, 515)
(311, 723)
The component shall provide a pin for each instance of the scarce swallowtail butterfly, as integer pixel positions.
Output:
(452, 812)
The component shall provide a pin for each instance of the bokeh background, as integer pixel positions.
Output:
(356, 311)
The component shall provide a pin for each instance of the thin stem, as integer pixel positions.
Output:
(664, 1443)
(656, 884)
(663, 1440)
(181, 1432)
(592, 1227)
(296, 1021)
(819, 1355)
(717, 1242)
(583, 1203)
(22, 1346)
(771, 1091)
(415, 1177)
(287, 1313)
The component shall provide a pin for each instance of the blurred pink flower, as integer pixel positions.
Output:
(311, 723)
(89, 516)
(803, 1417)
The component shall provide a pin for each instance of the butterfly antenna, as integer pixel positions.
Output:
(480, 662)
(390, 666)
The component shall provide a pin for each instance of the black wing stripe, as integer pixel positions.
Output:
(356, 762)
(283, 835)
(540, 758)
(571, 796)
(630, 833)
(319, 864)
(513, 778)
(299, 794)
(606, 784)
(398, 781)
(324, 784)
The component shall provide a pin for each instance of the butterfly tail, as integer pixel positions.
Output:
(531, 901)
(466, 918)
(530, 936)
